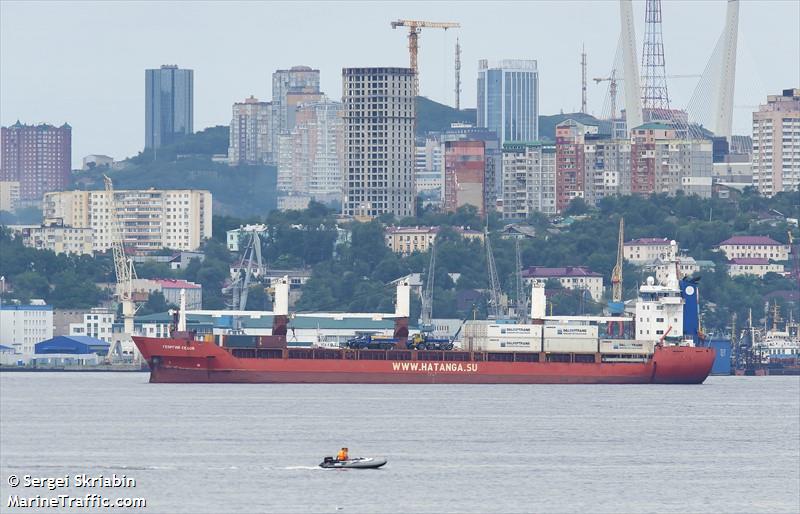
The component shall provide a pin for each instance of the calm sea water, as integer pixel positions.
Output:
(730, 445)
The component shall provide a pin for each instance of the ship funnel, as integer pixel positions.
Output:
(182, 312)
(281, 305)
(403, 304)
(538, 301)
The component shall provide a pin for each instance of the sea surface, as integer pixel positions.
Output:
(729, 445)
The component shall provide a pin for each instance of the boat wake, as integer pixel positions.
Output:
(295, 468)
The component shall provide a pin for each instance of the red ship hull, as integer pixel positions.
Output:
(184, 361)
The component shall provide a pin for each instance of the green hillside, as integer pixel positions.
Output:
(433, 116)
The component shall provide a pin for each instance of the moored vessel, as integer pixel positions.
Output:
(549, 350)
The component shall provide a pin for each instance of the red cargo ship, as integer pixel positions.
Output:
(182, 360)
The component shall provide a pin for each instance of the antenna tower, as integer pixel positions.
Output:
(458, 75)
(583, 79)
(655, 99)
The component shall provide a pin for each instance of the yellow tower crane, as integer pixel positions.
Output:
(414, 29)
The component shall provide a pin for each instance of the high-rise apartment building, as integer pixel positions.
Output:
(663, 162)
(570, 161)
(529, 179)
(251, 133)
(169, 105)
(464, 170)
(379, 112)
(151, 219)
(298, 80)
(38, 157)
(508, 99)
(310, 155)
(776, 143)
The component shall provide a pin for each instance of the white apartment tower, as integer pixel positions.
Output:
(776, 143)
(529, 180)
(151, 219)
(310, 156)
(251, 133)
(379, 111)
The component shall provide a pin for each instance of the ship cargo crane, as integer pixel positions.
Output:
(414, 29)
(123, 269)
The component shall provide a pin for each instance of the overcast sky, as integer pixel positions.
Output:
(83, 62)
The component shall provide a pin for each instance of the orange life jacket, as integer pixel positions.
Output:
(342, 455)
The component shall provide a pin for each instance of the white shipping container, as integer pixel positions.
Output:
(570, 345)
(514, 330)
(570, 331)
(626, 346)
(508, 344)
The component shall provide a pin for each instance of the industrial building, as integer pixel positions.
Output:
(66, 351)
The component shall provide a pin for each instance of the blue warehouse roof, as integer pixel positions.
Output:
(78, 345)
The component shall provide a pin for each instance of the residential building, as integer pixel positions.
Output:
(53, 235)
(492, 157)
(293, 201)
(38, 157)
(776, 143)
(407, 240)
(169, 105)
(251, 133)
(687, 266)
(22, 326)
(379, 119)
(9, 195)
(97, 161)
(234, 236)
(171, 289)
(752, 266)
(758, 247)
(663, 162)
(508, 99)
(298, 80)
(607, 167)
(570, 161)
(178, 260)
(647, 249)
(428, 171)
(570, 277)
(97, 323)
(63, 318)
(310, 155)
(151, 219)
(529, 179)
(464, 169)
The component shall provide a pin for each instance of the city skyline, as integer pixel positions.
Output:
(95, 83)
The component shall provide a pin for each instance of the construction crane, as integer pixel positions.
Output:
(123, 269)
(414, 29)
(617, 306)
(495, 294)
(612, 89)
(426, 314)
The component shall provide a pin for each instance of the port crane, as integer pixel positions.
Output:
(426, 313)
(123, 269)
(495, 294)
(414, 30)
(242, 275)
